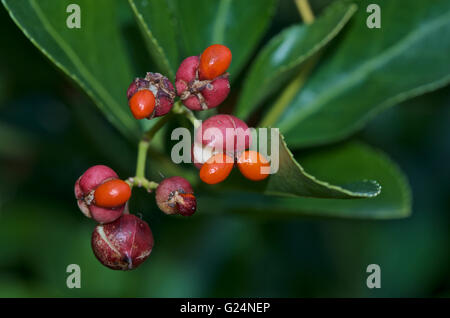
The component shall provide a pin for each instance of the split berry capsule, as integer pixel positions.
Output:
(175, 196)
(142, 104)
(196, 93)
(214, 61)
(104, 206)
(216, 169)
(253, 165)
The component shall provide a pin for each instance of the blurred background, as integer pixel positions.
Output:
(50, 132)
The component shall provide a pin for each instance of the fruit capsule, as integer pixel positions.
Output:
(175, 195)
(198, 94)
(123, 244)
(112, 194)
(216, 169)
(253, 165)
(85, 188)
(142, 104)
(214, 61)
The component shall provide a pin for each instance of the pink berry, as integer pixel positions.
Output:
(175, 196)
(123, 244)
(225, 133)
(199, 94)
(85, 188)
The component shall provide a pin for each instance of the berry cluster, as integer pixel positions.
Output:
(123, 241)
(223, 140)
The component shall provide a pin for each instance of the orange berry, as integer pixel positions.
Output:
(214, 61)
(142, 104)
(250, 164)
(112, 194)
(216, 169)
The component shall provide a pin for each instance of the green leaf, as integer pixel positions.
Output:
(238, 24)
(339, 164)
(283, 56)
(292, 180)
(372, 69)
(158, 27)
(93, 56)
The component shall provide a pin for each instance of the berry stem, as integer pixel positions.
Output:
(139, 179)
(142, 156)
(297, 83)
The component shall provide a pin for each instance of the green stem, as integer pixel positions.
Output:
(139, 179)
(142, 158)
(288, 94)
(297, 83)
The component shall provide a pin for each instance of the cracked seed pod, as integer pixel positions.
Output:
(123, 244)
(161, 88)
(199, 94)
(85, 192)
(175, 196)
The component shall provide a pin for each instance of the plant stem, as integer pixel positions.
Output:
(305, 11)
(139, 179)
(297, 83)
(142, 158)
(288, 94)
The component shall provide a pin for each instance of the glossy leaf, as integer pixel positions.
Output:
(158, 28)
(292, 180)
(93, 56)
(238, 24)
(339, 164)
(283, 56)
(372, 69)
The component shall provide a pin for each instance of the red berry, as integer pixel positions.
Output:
(85, 188)
(123, 244)
(175, 196)
(142, 104)
(216, 169)
(214, 61)
(112, 194)
(251, 164)
(225, 133)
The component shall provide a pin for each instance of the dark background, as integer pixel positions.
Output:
(50, 133)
